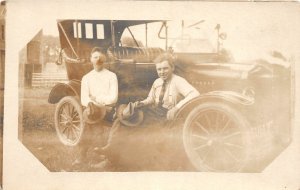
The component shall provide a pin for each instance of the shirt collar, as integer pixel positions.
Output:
(169, 80)
(103, 70)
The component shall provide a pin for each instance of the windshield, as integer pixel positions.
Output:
(183, 36)
(191, 37)
(145, 35)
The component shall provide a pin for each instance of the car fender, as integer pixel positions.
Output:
(235, 99)
(60, 90)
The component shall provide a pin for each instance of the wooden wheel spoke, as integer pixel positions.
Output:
(205, 156)
(63, 122)
(232, 135)
(202, 127)
(64, 130)
(72, 111)
(76, 135)
(76, 127)
(234, 145)
(200, 137)
(225, 126)
(64, 116)
(68, 134)
(69, 110)
(231, 155)
(217, 120)
(76, 121)
(64, 110)
(201, 146)
(75, 114)
(207, 120)
(214, 160)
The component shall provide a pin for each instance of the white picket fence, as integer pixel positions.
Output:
(49, 79)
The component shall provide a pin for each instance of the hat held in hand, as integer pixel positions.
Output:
(94, 113)
(129, 115)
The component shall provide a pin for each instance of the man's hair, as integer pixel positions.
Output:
(165, 57)
(100, 50)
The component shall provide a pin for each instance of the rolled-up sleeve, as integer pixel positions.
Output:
(186, 90)
(150, 99)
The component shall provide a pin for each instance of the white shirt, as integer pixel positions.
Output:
(102, 85)
(178, 92)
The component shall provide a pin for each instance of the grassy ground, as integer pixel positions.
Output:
(133, 149)
(1, 132)
(38, 131)
(154, 148)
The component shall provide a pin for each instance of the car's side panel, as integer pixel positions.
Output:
(61, 90)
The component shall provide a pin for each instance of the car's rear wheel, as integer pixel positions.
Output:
(69, 123)
(216, 138)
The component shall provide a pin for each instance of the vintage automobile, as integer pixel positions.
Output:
(238, 105)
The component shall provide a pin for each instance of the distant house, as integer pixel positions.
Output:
(30, 60)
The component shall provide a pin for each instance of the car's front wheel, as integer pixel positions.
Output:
(69, 123)
(216, 138)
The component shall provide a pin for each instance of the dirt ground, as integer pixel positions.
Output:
(1, 132)
(151, 148)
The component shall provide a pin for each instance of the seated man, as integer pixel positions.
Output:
(99, 91)
(99, 86)
(169, 92)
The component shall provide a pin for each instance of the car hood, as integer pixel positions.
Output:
(261, 68)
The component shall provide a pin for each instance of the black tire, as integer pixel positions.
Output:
(216, 138)
(69, 123)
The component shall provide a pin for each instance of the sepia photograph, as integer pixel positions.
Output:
(209, 92)
(130, 95)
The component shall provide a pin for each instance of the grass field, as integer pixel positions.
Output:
(133, 149)
(154, 148)
(1, 132)
(38, 131)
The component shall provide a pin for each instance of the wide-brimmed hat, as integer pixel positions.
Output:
(94, 113)
(129, 115)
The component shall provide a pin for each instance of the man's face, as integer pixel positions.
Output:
(164, 70)
(97, 60)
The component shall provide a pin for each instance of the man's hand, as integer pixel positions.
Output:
(96, 102)
(93, 98)
(171, 113)
(138, 104)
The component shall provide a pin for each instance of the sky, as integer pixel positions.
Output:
(250, 33)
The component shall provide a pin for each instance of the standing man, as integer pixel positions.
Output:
(99, 94)
(169, 92)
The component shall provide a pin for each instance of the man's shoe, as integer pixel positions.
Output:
(106, 147)
(77, 161)
(101, 164)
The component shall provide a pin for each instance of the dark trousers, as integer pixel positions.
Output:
(93, 136)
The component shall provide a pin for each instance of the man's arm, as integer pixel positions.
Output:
(85, 97)
(186, 90)
(150, 99)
